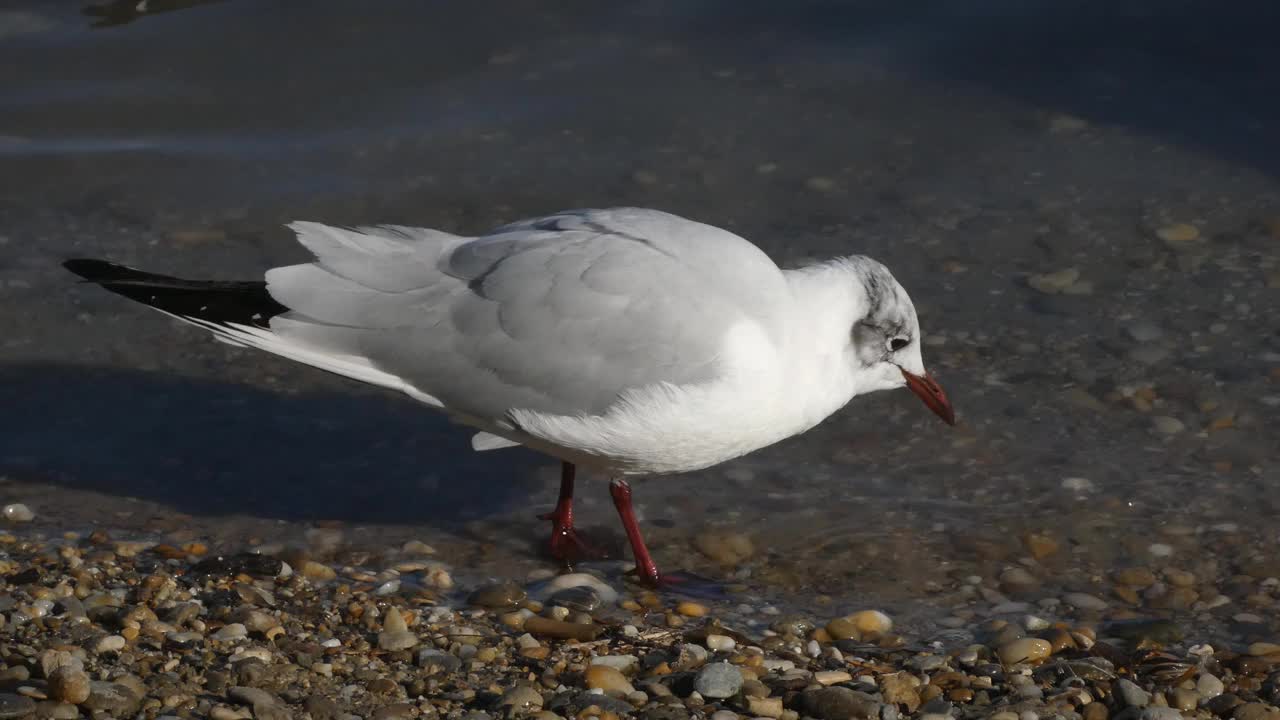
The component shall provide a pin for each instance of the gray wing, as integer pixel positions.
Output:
(558, 314)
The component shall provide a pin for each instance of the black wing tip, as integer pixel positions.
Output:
(98, 271)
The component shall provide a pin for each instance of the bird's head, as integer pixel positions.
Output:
(885, 339)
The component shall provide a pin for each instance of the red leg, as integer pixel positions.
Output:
(566, 546)
(621, 491)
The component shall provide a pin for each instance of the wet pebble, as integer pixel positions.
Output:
(1167, 425)
(720, 643)
(1024, 650)
(522, 698)
(1056, 282)
(18, 513)
(1132, 695)
(395, 633)
(1145, 331)
(69, 684)
(498, 596)
(583, 599)
(725, 547)
(840, 703)
(15, 706)
(610, 680)
(569, 580)
(718, 680)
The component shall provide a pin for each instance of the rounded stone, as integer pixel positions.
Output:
(498, 596)
(522, 698)
(15, 706)
(718, 681)
(872, 621)
(1024, 650)
(843, 629)
(69, 684)
(612, 682)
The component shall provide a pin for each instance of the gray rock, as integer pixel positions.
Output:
(114, 699)
(1145, 331)
(1209, 686)
(429, 658)
(1149, 354)
(1160, 713)
(265, 705)
(718, 680)
(15, 706)
(840, 703)
(582, 598)
(522, 698)
(395, 711)
(1131, 694)
(321, 708)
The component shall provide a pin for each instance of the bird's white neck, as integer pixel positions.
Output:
(820, 365)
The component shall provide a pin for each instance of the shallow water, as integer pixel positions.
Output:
(969, 147)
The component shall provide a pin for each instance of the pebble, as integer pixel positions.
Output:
(1024, 650)
(1145, 331)
(872, 622)
(1178, 234)
(1208, 686)
(1085, 601)
(820, 184)
(1149, 354)
(582, 599)
(718, 680)
(688, 608)
(230, 632)
(612, 682)
(621, 663)
(69, 684)
(15, 706)
(1055, 282)
(522, 697)
(395, 633)
(1167, 425)
(607, 594)
(18, 513)
(769, 707)
(1131, 694)
(720, 643)
(726, 548)
(840, 703)
(109, 644)
(843, 629)
(832, 677)
(498, 596)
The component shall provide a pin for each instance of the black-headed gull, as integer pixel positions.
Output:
(627, 341)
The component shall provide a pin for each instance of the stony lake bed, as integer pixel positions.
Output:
(335, 629)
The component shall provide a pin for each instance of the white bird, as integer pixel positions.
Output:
(627, 341)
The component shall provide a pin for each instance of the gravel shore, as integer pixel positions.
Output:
(99, 627)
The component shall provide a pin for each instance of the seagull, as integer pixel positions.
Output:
(626, 341)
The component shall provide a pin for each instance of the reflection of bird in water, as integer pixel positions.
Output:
(628, 341)
(119, 12)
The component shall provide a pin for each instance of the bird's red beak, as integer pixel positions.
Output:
(928, 390)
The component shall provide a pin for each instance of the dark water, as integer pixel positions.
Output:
(969, 146)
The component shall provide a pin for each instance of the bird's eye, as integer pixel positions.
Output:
(898, 343)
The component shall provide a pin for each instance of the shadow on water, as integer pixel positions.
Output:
(209, 448)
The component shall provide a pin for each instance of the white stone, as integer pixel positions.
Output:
(19, 513)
